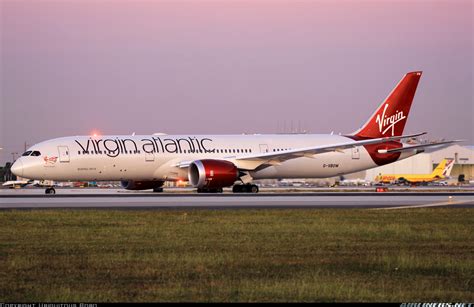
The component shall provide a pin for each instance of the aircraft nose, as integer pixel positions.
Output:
(17, 168)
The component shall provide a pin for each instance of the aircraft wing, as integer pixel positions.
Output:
(251, 162)
(408, 148)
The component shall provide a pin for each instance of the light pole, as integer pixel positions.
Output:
(13, 155)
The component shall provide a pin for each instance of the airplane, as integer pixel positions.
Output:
(213, 162)
(442, 171)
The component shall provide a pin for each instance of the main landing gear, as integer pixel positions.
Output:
(238, 188)
(245, 188)
(50, 191)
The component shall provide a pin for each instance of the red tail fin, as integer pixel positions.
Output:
(390, 118)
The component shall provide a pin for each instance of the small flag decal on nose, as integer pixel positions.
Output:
(50, 160)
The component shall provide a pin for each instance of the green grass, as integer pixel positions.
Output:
(237, 255)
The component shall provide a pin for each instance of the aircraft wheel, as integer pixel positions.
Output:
(50, 191)
(157, 190)
(245, 188)
(253, 188)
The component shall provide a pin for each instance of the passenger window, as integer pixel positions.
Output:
(26, 153)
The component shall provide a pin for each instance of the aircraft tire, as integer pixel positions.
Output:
(51, 191)
(253, 189)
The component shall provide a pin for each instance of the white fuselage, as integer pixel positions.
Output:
(157, 157)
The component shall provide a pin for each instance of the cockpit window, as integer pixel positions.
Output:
(27, 153)
(35, 153)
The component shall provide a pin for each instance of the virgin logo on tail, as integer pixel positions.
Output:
(388, 122)
(392, 113)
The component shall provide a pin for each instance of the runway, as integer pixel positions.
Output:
(341, 200)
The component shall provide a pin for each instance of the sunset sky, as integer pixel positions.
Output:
(229, 67)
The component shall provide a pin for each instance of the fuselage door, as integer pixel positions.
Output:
(355, 153)
(63, 153)
(263, 148)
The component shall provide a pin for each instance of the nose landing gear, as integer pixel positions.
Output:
(50, 191)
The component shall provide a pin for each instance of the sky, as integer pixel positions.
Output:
(75, 67)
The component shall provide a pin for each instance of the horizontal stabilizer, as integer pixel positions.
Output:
(421, 146)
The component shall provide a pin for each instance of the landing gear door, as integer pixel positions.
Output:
(355, 153)
(63, 154)
(263, 148)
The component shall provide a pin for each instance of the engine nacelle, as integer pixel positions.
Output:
(212, 174)
(140, 185)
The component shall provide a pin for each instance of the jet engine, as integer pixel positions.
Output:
(212, 174)
(141, 185)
